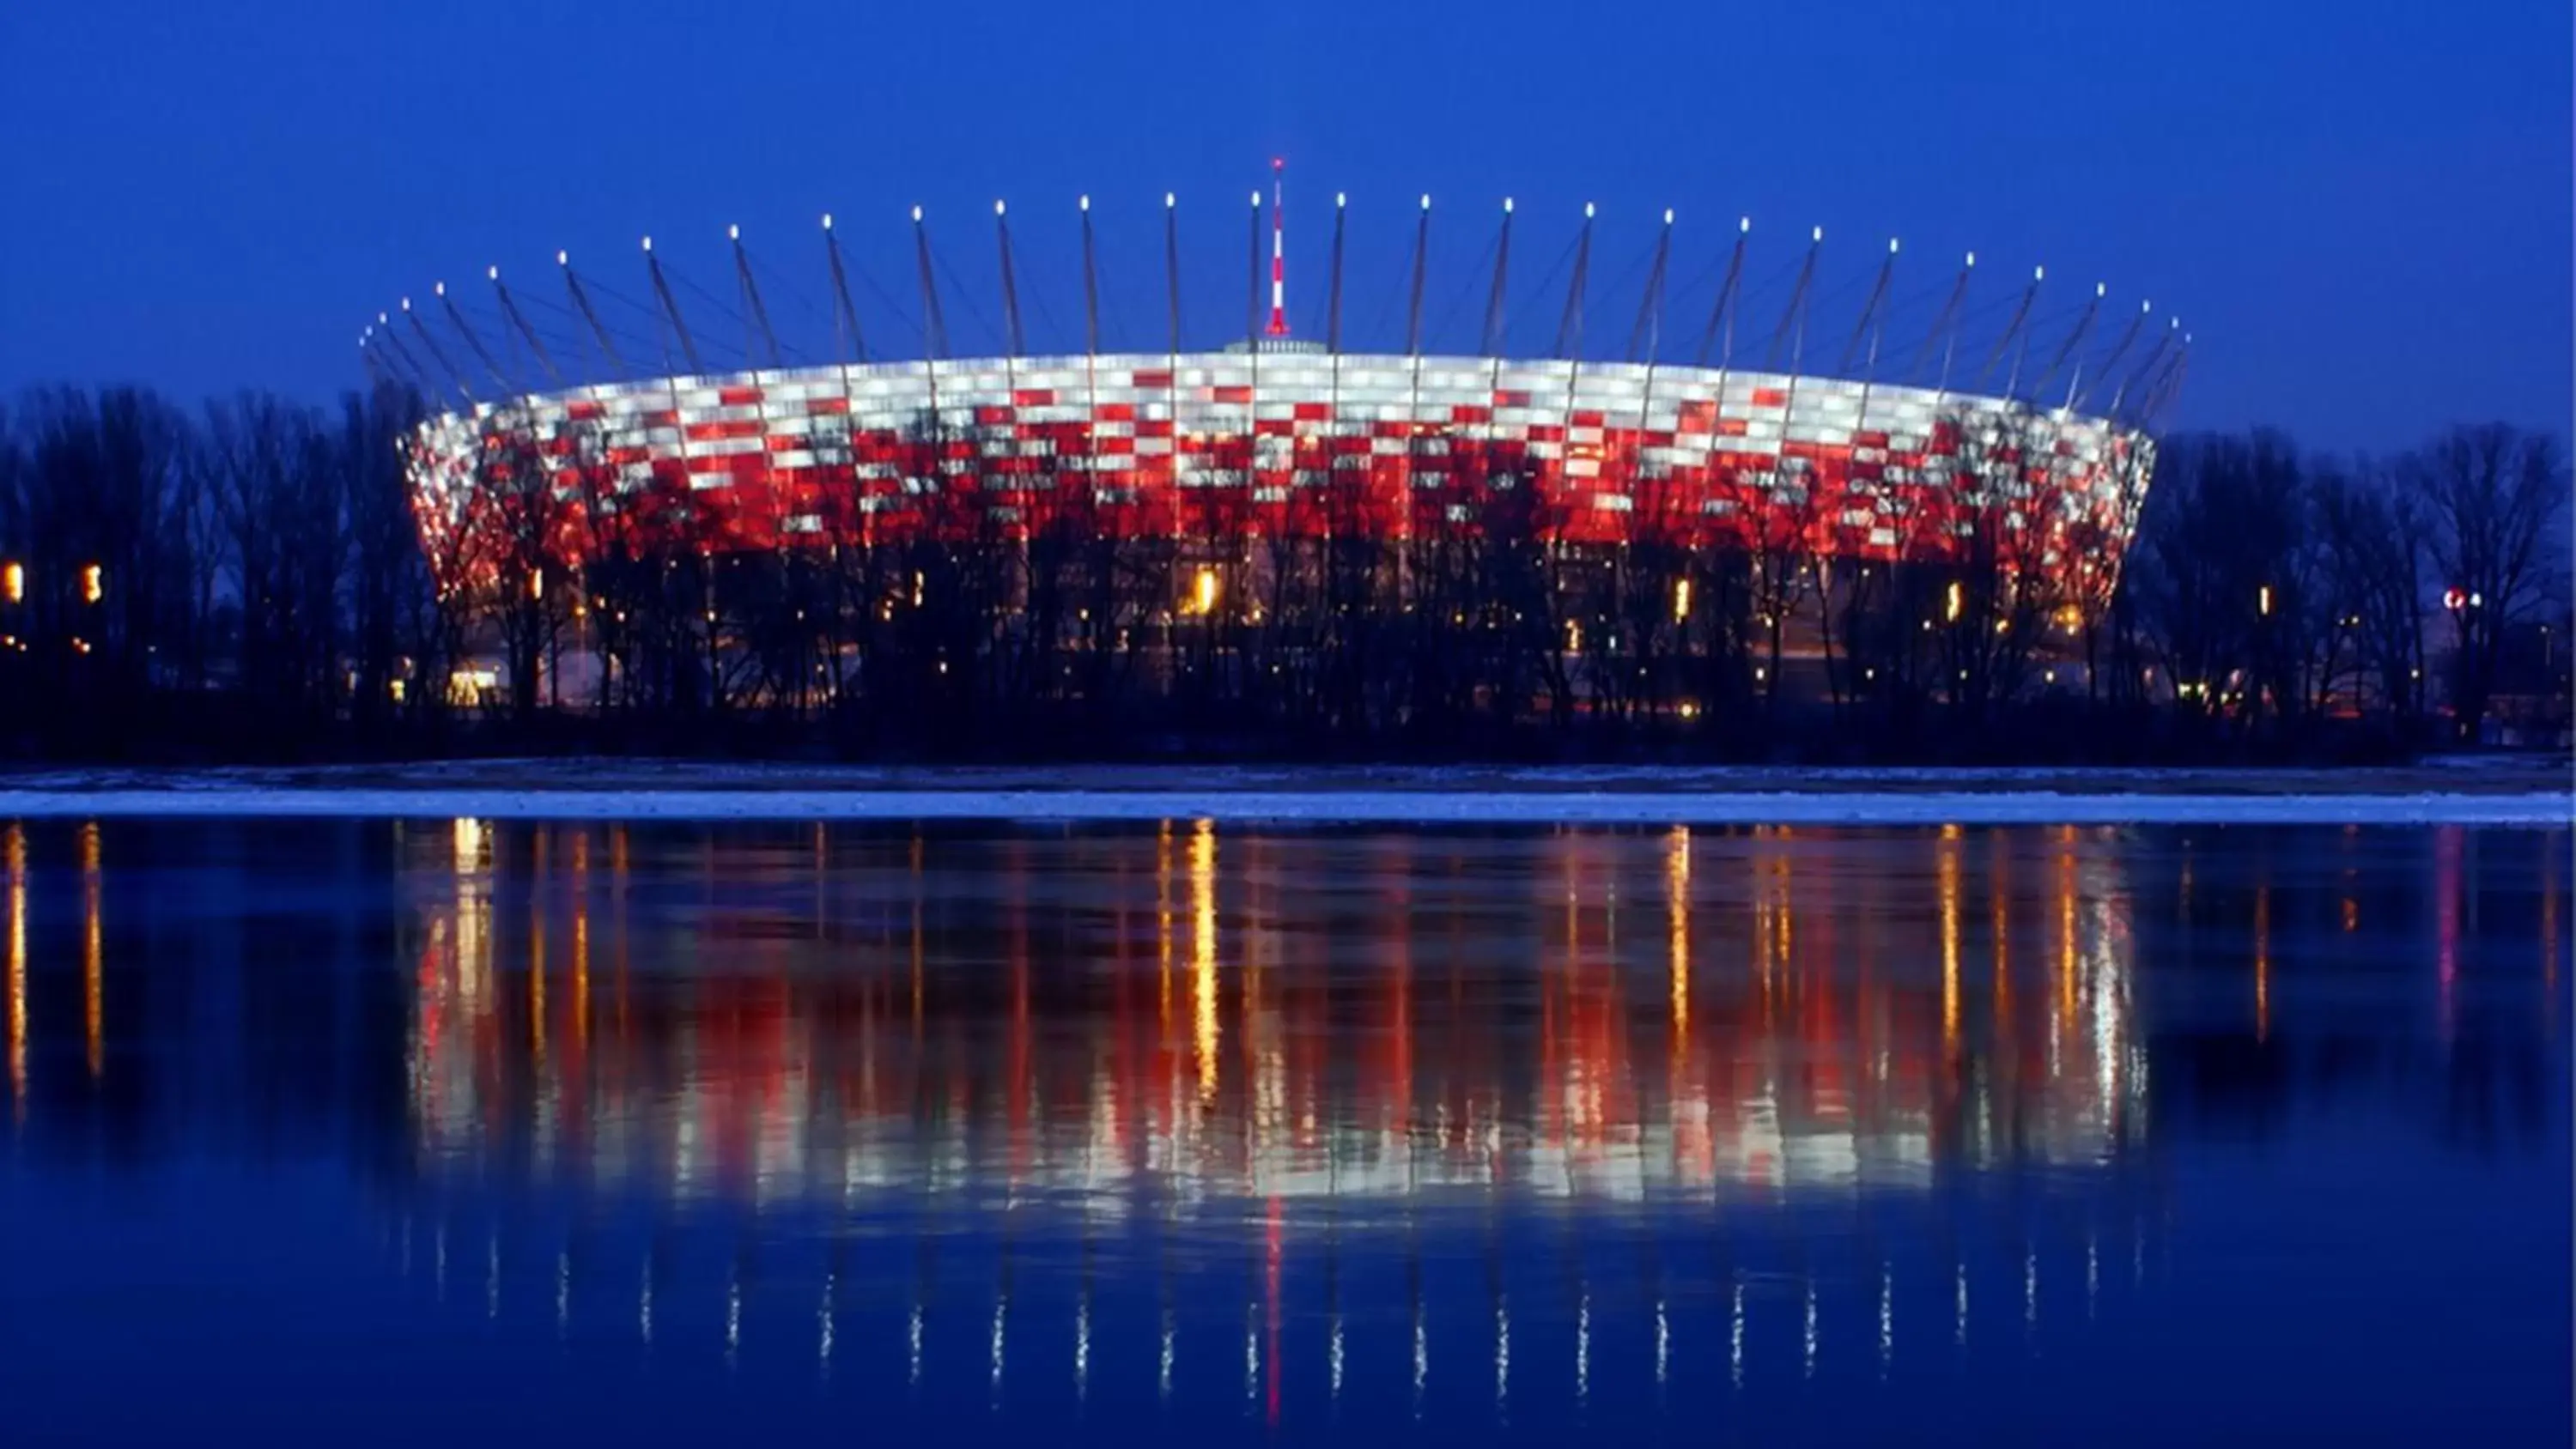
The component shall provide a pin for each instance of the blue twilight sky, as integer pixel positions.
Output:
(2361, 210)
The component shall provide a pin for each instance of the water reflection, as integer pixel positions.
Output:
(889, 1022)
(1533, 1122)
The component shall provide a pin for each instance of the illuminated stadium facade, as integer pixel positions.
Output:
(1241, 481)
(1212, 446)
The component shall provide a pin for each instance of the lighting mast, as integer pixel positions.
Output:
(1278, 250)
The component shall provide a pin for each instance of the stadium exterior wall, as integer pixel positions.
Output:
(1224, 445)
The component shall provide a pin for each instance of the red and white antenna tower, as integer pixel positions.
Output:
(1278, 251)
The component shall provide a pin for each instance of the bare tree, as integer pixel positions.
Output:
(2494, 495)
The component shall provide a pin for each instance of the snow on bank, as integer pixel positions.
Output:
(1405, 807)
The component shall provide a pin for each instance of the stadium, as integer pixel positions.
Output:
(1287, 485)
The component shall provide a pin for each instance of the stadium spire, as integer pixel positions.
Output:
(755, 312)
(581, 301)
(1090, 287)
(510, 312)
(1569, 328)
(1722, 314)
(1252, 275)
(845, 317)
(1647, 335)
(1010, 284)
(456, 319)
(437, 355)
(1278, 249)
(1333, 305)
(671, 310)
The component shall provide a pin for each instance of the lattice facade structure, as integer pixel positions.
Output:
(1223, 446)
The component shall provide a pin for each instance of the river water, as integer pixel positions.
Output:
(427, 1132)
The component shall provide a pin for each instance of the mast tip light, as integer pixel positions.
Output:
(1744, 226)
(1170, 200)
(563, 258)
(2039, 274)
(1086, 201)
(648, 244)
(1817, 235)
(998, 208)
(827, 221)
(1587, 211)
(492, 273)
(438, 289)
(1891, 246)
(1668, 216)
(1341, 198)
(1426, 201)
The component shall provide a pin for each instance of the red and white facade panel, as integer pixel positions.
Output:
(1223, 444)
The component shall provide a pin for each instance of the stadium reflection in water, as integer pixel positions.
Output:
(1253, 1127)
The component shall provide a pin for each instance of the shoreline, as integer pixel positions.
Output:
(2509, 791)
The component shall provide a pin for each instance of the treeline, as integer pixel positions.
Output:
(248, 582)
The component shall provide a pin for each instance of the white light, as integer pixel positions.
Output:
(563, 259)
(998, 208)
(1744, 226)
(1817, 235)
(827, 221)
(383, 321)
(438, 289)
(1341, 198)
(648, 244)
(406, 304)
(1972, 259)
(1891, 246)
(2173, 322)
(492, 273)
(1587, 211)
(1086, 201)
(2101, 289)
(1507, 204)
(733, 233)
(2039, 274)
(1170, 201)
(1256, 198)
(916, 215)
(2146, 307)
(1668, 216)
(1426, 201)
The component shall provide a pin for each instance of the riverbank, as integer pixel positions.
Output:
(2498, 790)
